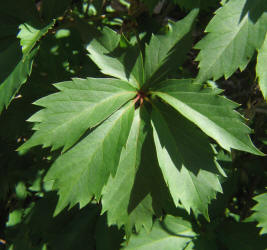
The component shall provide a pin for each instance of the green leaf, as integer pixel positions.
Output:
(82, 172)
(15, 63)
(17, 76)
(138, 187)
(120, 187)
(212, 113)
(81, 104)
(167, 52)
(30, 35)
(261, 68)
(189, 168)
(260, 214)
(127, 66)
(235, 32)
(171, 234)
(15, 217)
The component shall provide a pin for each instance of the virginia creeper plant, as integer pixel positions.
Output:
(133, 124)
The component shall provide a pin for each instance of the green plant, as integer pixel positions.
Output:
(136, 145)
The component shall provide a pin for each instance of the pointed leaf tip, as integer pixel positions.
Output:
(212, 113)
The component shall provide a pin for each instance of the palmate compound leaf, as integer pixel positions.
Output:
(81, 173)
(212, 113)
(261, 68)
(186, 159)
(260, 214)
(126, 65)
(80, 105)
(167, 52)
(137, 190)
(235, 32)
(172, 233)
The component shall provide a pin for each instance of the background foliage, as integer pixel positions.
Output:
(143, 145)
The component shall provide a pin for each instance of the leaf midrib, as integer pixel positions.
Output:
(182, 161)
(80, 114)
(96, 150)
(244, 21)
(205, 117)
(135, 163)
(135, 82)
